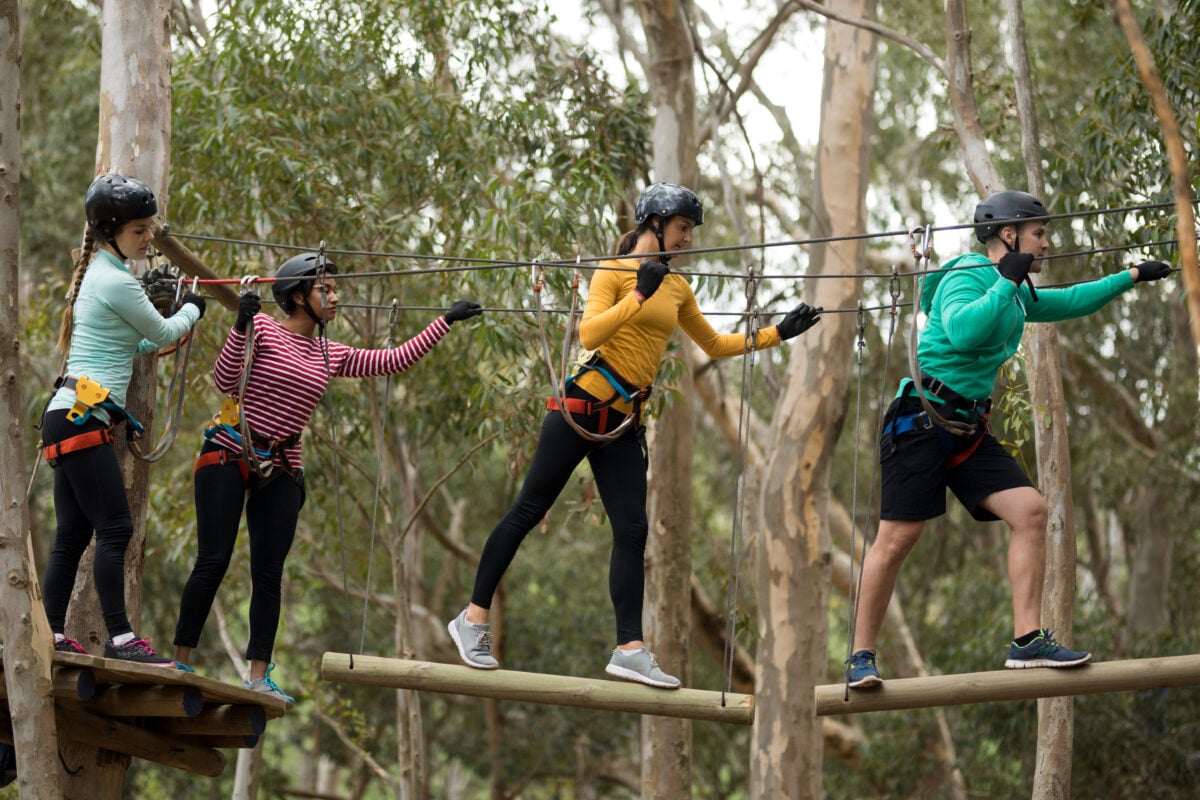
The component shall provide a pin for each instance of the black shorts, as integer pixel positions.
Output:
(914, 477)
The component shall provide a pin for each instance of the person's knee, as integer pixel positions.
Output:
(1031, 516)
(896, 539)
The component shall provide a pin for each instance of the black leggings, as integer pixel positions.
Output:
(272, 510)
(89, 496)
(620, 471)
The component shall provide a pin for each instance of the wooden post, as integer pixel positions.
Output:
(1019, 684)
(529, 687)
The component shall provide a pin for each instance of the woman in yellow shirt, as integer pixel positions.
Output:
(634, 305)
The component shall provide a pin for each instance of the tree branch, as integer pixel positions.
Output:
(921, 49)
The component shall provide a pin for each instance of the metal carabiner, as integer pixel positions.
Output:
(246, 284)
(861, 330)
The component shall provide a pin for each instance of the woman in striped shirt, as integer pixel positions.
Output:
(292, 366)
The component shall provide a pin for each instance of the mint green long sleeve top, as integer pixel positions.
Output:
(115, 322)
(977, 318)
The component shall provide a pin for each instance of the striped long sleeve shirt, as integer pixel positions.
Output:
(288, 375)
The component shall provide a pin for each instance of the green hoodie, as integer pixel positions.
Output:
(977, 316)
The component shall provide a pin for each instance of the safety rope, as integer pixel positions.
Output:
(856, 586)
(745, 410)
(323, 341)
(176, 389)
(557, 387)
(921, 253)
(393, 321)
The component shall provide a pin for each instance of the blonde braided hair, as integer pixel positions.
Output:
(67, 325)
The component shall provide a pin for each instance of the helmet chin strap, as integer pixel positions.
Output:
(112, 240)
(658, 234)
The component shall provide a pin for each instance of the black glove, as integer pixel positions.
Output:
(194, 299)
(1152, 271)
(1015, 266)
(248, 306)
(463, 309)
(798, 320)
(650, 277)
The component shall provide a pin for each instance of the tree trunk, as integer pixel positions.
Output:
(27, 641)
(667, 743)
(1056, 715)
(134, 139)
(794, 559)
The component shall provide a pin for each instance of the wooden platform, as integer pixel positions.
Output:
(165, 715)
(1012, 684)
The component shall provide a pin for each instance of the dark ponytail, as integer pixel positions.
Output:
(629, 239)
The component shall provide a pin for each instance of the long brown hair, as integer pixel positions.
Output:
(67, 325)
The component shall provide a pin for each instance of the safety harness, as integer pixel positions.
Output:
(89, 395)
(623, 390)
(229, 420)
(977, 411)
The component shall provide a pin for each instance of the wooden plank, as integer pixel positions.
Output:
(147, 701)
(216, 721)
(117, 672)
(1012, 684)
(121, 737)
(607, 695)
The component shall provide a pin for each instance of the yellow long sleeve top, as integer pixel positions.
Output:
(633, 337)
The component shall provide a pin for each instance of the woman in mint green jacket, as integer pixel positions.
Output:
(108, 321)
(977, 307)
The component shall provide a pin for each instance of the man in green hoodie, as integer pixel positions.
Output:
(935, 435)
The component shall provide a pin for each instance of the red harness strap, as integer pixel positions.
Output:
(223, 456)
(73, 444)
(577, 405)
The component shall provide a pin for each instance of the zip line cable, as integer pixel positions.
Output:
(484, 263)
(539, 264)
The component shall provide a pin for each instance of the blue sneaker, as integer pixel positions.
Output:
(1043, 651)
(182, 667)
(860, 670)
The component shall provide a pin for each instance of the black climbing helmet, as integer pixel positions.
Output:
(297, 275)
(1001, 208)
(112, 200)
(668, 200)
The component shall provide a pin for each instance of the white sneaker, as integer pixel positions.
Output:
(474, 642)
(639, 666)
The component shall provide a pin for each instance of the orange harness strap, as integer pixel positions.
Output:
(73, 444)
(223, 456)
(577, 405)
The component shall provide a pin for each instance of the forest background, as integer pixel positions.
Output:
(481, 131)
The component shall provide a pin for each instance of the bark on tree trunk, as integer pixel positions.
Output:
(27, 641)
(667, 743)
(1056, 716)
(134, 139)
(794, 559)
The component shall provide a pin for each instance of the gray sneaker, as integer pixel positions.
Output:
(474, 642)
(639, 666)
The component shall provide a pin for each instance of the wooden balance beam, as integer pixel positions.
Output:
(1012, 684)
(530, 687)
